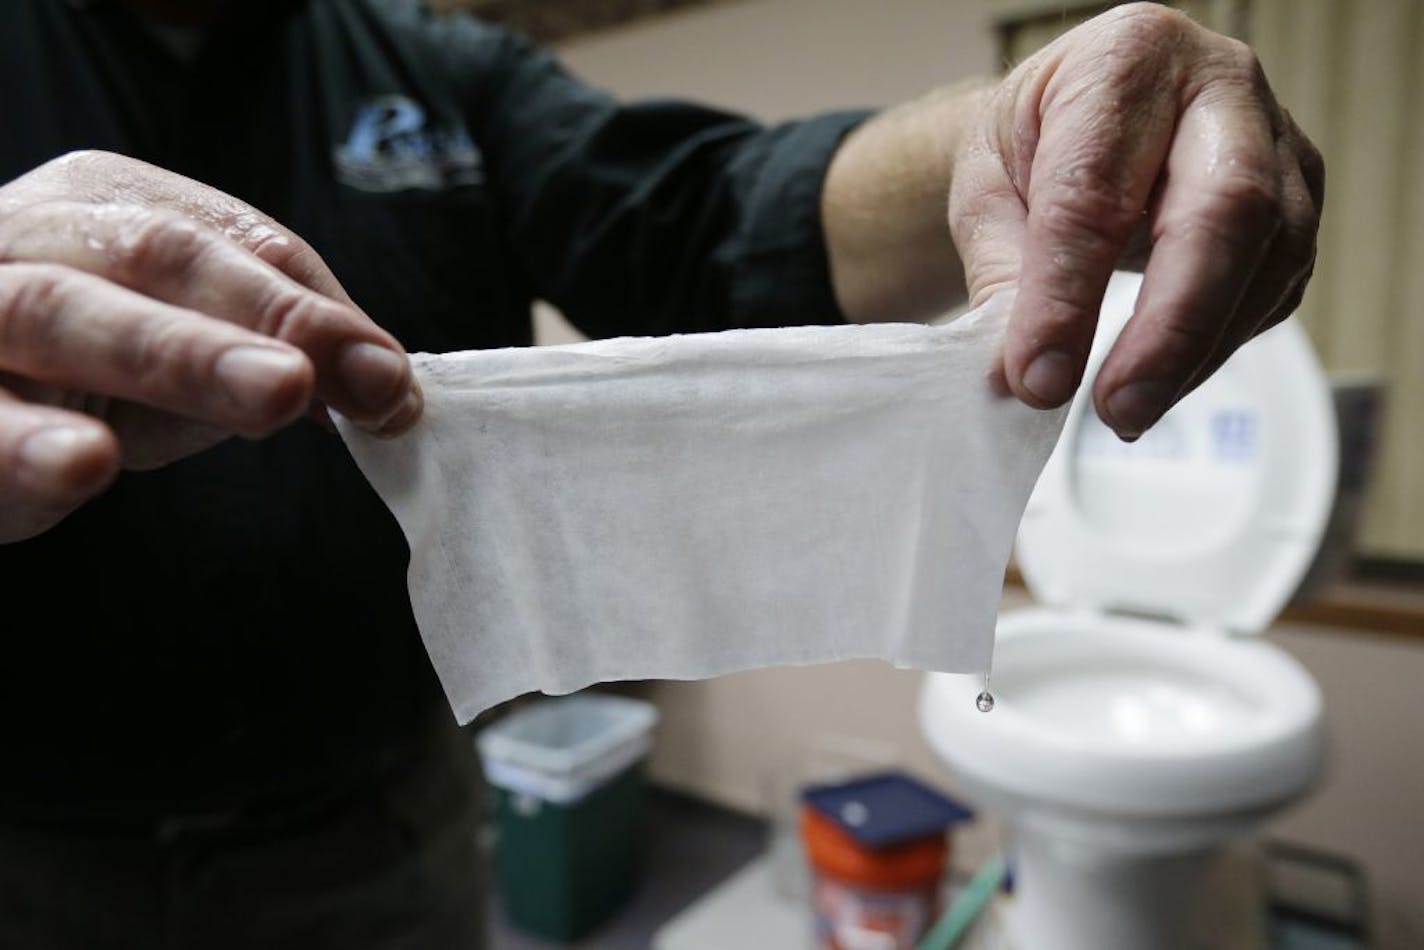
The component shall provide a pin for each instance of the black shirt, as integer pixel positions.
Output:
(236, 625)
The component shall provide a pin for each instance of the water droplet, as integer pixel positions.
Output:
(985, 700)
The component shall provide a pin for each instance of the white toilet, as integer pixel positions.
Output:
(1140, 723)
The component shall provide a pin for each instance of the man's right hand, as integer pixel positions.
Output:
(145, 317)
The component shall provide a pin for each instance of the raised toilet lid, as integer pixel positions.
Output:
(1213, 516)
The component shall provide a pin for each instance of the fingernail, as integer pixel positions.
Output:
(255, 376)
(1051, 377)
(48, 453)
(376, 379)
(1136, 406)
(407, 414)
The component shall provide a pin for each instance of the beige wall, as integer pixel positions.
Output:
(728, 739)
(782, 58)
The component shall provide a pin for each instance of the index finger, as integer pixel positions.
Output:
(1104, 136)
(362, 370)
(1211, 229)
(104, 178)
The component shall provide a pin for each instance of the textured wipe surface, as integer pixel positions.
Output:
(688, 506)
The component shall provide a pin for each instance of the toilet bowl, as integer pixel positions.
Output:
(1140, 726)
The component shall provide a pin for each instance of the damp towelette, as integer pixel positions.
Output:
(687, 506)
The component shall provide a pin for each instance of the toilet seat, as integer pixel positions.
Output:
(1213, 516)
(1137, 690)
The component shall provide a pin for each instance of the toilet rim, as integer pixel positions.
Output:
(1274, 683)
(1275, 758)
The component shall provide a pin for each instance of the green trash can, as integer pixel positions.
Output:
(567, 776)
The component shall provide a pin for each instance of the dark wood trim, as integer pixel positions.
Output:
(1385, 607)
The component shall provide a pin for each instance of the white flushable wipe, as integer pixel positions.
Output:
(688, 506)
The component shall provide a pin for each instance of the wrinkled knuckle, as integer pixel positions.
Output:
(1247, 196)
(1118, 73)
(262, 241)
(1061, 321)
(1149, 23)
(1087, 206)
(261, 237)
(1183, 341)
(1244, 201)
(1241, 59)
(1080, 250)
(287, 253)
(1124, 69)
(162, 352)
(28, 294)
(20, 223)
(1229, 72)
(291, 314)
(156, 244)
(302, 257)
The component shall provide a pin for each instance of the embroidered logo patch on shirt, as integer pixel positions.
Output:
(393, 146)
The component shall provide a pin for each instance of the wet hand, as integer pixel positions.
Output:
(145, 317)
(1138, 139)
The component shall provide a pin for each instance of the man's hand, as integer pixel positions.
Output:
(1137, 132)
(145, 317)
(1139, 138)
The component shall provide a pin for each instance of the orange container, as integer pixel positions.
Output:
(864, 897)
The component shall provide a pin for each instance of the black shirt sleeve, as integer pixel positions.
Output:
(655, 217)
